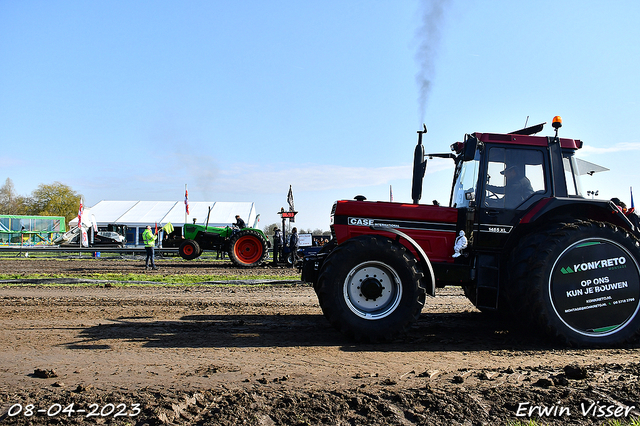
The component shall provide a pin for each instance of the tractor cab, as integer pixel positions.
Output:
(516, 169)
(500, 178)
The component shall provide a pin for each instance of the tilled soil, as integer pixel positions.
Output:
(264, 355)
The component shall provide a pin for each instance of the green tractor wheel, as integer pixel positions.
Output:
(189, 250)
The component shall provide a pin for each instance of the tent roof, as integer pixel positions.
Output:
(142, 213)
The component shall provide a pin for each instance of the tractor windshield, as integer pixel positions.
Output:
(466, 180)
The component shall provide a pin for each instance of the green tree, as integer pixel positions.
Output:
(270, 229)
(10, 202)
(56, 199)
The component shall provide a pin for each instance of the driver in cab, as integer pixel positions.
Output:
(517, 189)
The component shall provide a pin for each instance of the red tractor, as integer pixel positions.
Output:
(518, 236)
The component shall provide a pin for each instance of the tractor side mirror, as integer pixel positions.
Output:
(419, 168)
(470, 146)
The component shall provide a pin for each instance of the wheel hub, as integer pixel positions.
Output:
(371, 288)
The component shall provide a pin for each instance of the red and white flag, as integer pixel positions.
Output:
(84, 238)
(80, 210)
(186, 199)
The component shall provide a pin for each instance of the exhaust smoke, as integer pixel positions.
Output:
(428, 37)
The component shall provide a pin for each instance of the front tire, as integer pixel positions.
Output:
(581, 282)
(189, 250)
(370, 288)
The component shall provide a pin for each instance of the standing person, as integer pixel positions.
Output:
(629, 213)
(294, 240)
(149, 239)
(240, 223)
(277, 245)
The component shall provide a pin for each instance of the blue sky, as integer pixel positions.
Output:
(129, 100)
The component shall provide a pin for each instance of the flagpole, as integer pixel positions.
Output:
(80, 211)
(80, 225)
(185, 203)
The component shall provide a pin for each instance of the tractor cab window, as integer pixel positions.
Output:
(464, 188)
(513, 176)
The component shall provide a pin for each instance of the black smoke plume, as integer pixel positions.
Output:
(428, 37)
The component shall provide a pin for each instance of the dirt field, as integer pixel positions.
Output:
(265, 355)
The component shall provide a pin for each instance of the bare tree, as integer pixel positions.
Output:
(10, 202)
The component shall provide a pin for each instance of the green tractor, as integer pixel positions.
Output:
(246, 247)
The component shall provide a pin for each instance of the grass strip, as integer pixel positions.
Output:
(145, 278)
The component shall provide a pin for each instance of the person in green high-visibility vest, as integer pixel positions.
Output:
(149, 239)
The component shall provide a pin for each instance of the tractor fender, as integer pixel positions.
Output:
(424, 259)
(598, 210)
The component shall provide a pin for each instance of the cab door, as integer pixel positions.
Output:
(512, 179)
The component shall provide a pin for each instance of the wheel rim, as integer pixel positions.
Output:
(372, 290)
(595, 287)
(188, 250)
(248, 249)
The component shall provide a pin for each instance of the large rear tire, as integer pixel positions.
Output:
(370, 288)
(578, 283)
(247, 248)
(189, 250)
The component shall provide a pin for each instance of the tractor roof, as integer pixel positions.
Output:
(516, 139)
